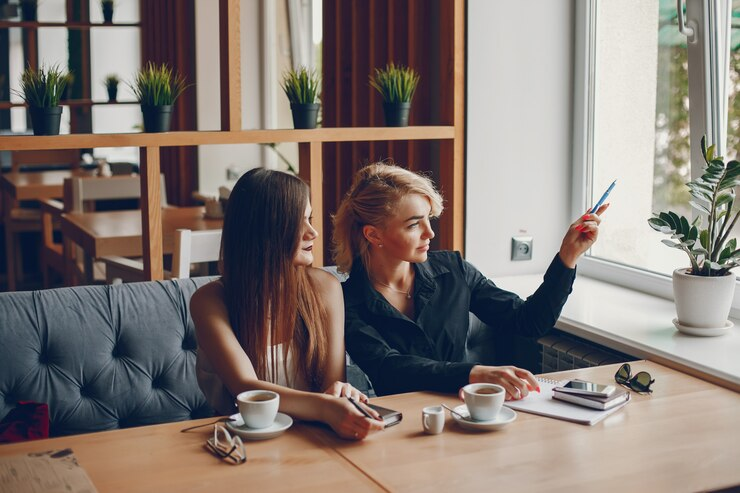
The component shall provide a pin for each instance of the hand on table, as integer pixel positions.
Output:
(343, 389)
(516, 381)
(348, 422)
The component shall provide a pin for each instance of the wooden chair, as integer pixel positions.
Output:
(18, 218)
(79, 194)
(191, 247)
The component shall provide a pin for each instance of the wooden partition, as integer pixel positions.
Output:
(427, 35)
(440, 126)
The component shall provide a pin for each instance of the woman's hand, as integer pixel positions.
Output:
(580, 236)
(517, 381)
(343, 389)
(347, 421)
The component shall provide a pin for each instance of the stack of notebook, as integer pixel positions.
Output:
(616, 398)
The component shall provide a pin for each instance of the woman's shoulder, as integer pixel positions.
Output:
(325, 282)
(206, 295)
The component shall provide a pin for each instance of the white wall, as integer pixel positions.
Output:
(519, 112)
(214, 160)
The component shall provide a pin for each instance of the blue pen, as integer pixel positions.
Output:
(603, 198)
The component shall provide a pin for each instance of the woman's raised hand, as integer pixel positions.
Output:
(343, 389)
(580, 236)
(347, 421)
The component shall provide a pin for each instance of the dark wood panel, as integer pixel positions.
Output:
(168, 36)
(360, 36)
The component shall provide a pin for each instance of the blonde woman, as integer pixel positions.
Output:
(272, 322)
(407, 309)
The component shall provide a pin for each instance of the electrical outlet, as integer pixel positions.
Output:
(521, 248)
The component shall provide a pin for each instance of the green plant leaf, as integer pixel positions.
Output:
(671, 244)
(699, 207)
(704, 238)
(657, 224)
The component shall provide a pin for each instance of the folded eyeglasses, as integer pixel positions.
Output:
(228, 448)
(640, 383)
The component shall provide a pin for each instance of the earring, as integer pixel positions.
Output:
(380, 245)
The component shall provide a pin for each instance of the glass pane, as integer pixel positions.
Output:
(641, 128)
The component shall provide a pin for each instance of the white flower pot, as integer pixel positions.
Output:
(702, 301)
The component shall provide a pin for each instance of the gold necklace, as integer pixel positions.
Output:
(407, 293)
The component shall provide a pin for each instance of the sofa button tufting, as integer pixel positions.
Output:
(44, 358)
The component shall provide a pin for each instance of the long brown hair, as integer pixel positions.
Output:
(372, 199)
(268, 298)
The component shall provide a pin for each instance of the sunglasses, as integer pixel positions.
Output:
(227, 448)
(640, 383)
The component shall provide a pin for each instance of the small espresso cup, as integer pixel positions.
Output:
(258, 407)
(484, 400)
(433, 419)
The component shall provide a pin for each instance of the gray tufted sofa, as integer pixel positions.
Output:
(102, 357)
(106, 357)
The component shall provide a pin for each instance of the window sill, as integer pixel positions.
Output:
(641, 325)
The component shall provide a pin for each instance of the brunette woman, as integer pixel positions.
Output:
(272, 321)
(407, 308)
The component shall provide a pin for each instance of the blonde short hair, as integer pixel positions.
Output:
(375, 191)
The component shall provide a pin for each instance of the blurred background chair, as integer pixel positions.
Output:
(24, 217)
(191, 247)
(80, 195)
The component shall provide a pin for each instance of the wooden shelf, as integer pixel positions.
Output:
(4, 105)
(192, 138)
(67, 25)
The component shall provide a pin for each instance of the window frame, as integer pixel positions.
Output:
(585, 68)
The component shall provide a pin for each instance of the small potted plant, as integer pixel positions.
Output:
(704, 291)
(29, 9)
(41, 89)
(111, 85)
(396, 84)
(157, 88)
(302, 88)
(107, 8)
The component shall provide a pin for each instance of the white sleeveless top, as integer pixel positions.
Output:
(219, 397)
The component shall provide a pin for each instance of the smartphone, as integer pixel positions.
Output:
(583, 387)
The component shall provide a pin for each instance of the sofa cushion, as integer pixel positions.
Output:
(102, 357)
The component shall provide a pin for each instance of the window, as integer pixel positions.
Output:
(634, 74)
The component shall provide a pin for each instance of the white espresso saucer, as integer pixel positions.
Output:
(702, 331)
(505, 416)
(282, 422)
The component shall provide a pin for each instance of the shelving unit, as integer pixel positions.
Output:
(310, 143)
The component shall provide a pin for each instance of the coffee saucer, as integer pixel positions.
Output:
(282, 422)
(505, 416)
(704, 331)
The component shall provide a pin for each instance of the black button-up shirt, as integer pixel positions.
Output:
(403, 355)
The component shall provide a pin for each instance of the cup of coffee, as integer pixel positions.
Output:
(258, 407)
(484, 400)
(433, 419)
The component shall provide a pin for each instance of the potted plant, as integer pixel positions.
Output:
(107, 7)
(157, 88)
(29, 9)
(704, 291)
(111, 85)
(397, 85)
(302, 88)
(41, 89)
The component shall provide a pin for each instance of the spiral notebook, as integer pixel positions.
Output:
(543, 404)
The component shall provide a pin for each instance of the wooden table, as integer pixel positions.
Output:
(35, 185)
(119, 232)
(685, 437)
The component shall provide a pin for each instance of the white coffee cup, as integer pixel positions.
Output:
(258, 407)
(433, 419)
(484, 400)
